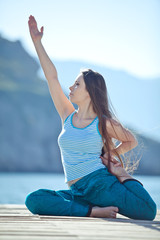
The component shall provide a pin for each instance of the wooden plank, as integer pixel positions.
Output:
(16, 222)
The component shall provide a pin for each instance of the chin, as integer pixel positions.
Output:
(73, 101)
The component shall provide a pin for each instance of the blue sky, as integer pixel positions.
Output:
(120, 34)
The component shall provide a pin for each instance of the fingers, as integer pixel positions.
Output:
(114, 164)
(106, 159)
(114, 160)
(42, 28)
(105, 155)
(32, 20)
(31, 17)
(117, 165)
(105, 162)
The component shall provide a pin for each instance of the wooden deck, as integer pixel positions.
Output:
(16, 222)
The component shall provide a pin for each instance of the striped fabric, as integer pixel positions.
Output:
(80, 148)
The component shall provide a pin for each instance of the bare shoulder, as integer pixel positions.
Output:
(118, 131)
(111, 123)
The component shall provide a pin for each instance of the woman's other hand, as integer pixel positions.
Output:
(36, 35)
(115, 166)
(116, 169)
(105, 159)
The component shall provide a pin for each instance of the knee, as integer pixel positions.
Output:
(152, 211)
(32, 201)
(144, 211)
(148, 211)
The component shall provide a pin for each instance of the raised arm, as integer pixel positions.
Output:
(63, 105)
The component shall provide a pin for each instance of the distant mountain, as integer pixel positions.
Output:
(29, 122)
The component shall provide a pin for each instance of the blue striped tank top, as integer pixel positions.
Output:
(80, 148)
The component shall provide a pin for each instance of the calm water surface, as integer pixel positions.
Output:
(15, 186)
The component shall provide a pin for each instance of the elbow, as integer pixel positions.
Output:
(134, 143)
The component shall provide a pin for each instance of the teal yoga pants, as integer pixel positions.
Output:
(99, 188)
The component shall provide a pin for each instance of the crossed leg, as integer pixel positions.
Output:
(62, 203)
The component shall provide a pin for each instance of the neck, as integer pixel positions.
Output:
(85, 112)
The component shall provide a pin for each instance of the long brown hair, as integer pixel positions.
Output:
(96, 87)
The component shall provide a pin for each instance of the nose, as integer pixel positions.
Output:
(70, 88)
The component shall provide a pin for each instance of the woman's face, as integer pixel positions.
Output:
(78, 92)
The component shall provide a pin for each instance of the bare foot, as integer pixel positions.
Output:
(104, 212)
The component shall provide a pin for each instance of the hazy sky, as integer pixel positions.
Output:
(123, 34)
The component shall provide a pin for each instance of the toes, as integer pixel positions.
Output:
(114, 215)
(115, 209)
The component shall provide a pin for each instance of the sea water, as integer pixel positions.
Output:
(14, 187)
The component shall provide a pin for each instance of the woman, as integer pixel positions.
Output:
(99, 186)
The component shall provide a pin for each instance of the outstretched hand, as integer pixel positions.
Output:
(36, 35)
